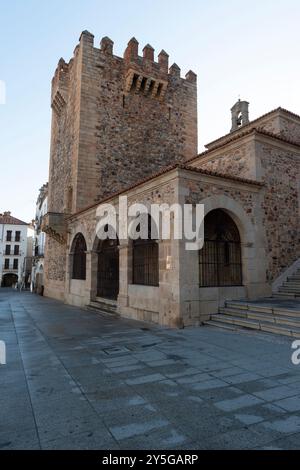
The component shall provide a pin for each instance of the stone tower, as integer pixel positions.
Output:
(115, 121)
(239, 115)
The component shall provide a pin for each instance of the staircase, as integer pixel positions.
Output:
(103, 306)
(268, 315)
(290, 288)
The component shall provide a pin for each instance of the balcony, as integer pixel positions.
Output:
(12, 254)
(55, 225)
(38, 252)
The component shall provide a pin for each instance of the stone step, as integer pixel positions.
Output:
(224, 326)
(267, 317)
(255, 325)
(287, 295)
(291, 284)
(244, 306)
(293, 290)
(103, 307)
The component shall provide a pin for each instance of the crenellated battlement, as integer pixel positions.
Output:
(60, 86)
(141, 73)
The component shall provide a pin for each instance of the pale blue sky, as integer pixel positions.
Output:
(241, 48)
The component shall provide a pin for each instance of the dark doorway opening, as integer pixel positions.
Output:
(108, 269)
(220, 259)
(9, 280)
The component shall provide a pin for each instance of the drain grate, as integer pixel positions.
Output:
(116, 350)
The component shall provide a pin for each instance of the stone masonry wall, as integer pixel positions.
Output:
(290, 129)
(281, 172)
(238, 161)
(201, 190)
(137, 116)
(279, 169)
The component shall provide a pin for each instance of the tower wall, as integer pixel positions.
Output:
(115, 120)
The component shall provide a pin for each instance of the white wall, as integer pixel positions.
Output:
(23, 247)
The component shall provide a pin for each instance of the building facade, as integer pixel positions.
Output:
(15, 250)
(38, 254)
(128, 127)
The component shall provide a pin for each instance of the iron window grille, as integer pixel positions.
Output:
(220, 260)
(108, 269)
(145, 260)
(78, 253)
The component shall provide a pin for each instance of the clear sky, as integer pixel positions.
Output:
(237, 48)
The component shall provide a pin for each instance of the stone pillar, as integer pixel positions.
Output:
(125, 272)
(169, 286)
(92, 273)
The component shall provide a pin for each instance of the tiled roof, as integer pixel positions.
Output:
(219, 143)
(221, 175)
(251, 123)
(232, 138)
(8, 219)
(180, 166)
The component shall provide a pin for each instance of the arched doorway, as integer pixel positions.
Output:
(108, 269)
(9, 280)
(39, 281)
(220, 259)
(78, 258)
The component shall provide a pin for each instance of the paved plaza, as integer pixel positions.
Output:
(77, 379)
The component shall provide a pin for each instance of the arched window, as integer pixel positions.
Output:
(78, 253)
(220, 260)
(145, 270)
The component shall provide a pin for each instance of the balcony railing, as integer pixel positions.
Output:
(54, 224)
(38, 251)
(12, 254)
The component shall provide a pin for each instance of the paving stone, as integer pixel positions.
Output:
(133, 429)
(145, 379)
(276, 393)
(89, 440)
(18, 439)
(195, 388)
(238, 403)
(209, 384)
(289, 404)
(241, 378)
(286, 425)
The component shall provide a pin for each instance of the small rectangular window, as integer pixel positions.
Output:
(18, 236)
(7, 249)
(16, 263)
(16, 250)
(6, 264)
(8, 235)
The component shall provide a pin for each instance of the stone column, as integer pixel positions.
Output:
(125, 272)
(92, 273)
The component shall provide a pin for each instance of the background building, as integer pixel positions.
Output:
(37, 273)
(15, 248)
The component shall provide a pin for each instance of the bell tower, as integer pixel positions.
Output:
(239, 115)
